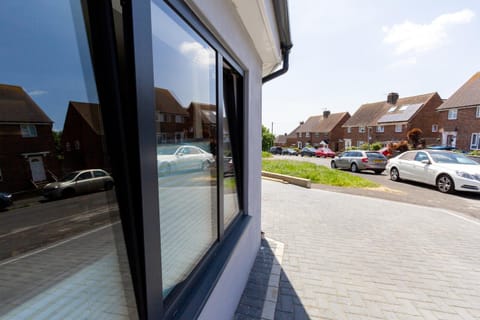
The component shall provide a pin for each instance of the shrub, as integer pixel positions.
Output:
(266, 154)
(365, 146)
(376, 146)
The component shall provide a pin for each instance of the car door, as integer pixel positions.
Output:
(83, 182)
(342, 161)
(419, 167)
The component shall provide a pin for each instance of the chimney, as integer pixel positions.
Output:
(301, 122)
(326, 113)
(392, 98)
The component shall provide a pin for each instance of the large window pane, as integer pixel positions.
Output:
(62, 253)
(186, 113)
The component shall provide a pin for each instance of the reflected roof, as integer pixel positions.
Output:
(322, 124)
(17, 106)
(90, 112)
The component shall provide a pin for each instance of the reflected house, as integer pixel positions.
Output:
(82, 138)
(171, 118)
(27, 151)
(203, 123)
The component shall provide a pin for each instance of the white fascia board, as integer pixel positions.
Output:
(259, 20)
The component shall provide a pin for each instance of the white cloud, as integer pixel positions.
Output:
(198, 53)
(411, 37)
(37, 92)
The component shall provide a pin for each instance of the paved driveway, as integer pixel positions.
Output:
(353, 257)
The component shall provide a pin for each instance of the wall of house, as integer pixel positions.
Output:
(15, 167)
(427, 117)
(220, 16)
(337, 135)
(465, 124)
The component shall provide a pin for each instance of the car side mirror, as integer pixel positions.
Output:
(425, 161)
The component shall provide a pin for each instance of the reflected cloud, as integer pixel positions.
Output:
(198, 53)
(37, 92)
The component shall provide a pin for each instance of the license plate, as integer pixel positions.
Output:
(378, 161)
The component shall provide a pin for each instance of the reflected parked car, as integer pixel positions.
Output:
(290, 152)
(324, 152)
(358, 160)
(307, 151)
(172, 159)
(276, 150)
(5, 200)
(79, 182)
(448, 171)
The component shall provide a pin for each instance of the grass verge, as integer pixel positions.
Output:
(317, 174)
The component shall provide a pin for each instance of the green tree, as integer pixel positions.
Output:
(267, 139)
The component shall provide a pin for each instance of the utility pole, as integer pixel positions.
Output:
(272, 127)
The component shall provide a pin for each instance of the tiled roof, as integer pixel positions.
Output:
(91, 113)
(369, 114)
(321, 124)
(467, 95)
(166, 103)
(17, 106)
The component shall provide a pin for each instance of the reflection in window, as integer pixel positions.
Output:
(65, 257)
(185, 88)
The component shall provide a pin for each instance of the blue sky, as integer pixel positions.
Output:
(347, 53)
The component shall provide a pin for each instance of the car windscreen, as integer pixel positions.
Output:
(447, 157)
(166, 150)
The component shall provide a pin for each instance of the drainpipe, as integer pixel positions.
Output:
(283, 26)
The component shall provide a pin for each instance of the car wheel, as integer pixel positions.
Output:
(354, 167)
(445, 184)
(205, 165)
(108, 185)
(164, 169)
(394, 175)
(333, 165)
(67, 193)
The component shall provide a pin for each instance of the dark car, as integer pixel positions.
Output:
(276, 150)
(5, 200)
(307, 151)
(290, 152)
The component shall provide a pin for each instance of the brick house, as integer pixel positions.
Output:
(83, 138)
(322, 129)
(27, 149)
(390, 120)
(460, 116)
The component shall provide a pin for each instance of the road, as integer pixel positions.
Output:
(465, 203)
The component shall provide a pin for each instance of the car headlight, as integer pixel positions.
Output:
(467, 175)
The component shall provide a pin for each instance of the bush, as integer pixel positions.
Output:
(474, 153)
(376, 146)
(266, 154)
(365, 146)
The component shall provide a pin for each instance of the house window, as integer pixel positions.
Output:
(360, 143)
(68, 147)
(434, 127)
(307, 134)
(398, 128)
(317, 134)
(1, 176)
(475, 141)
(160, 117)
(380, 129)
(179, 119)
(349, 129)
(28, 130)
(361, 129)
(452, 114)
(348, 144)
(477, 113)
(77, 145)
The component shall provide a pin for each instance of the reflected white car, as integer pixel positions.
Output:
(171, 159)
(448, 171)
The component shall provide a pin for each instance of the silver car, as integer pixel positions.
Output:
(78, 182)
(358, 160)
(171, 159)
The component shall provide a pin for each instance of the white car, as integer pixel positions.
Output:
(172, 159)
(448, 171)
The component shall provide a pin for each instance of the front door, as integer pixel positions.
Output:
(37, 169)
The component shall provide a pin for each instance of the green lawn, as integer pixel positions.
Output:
(317, 174)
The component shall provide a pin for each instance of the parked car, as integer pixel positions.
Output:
(307, 151)
(276, 150)
(79, 182)
(358, 160)
(448, 171)
(440, 147)
(5, 200)
(290, 152)
(176, 158)
(324, 152)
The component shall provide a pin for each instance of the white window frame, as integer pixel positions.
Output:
(434, 127)
(179, 119)
(349, 129)
(348, 143)
(475, 141)
(398, 128)
(307, 134)
(361, 130)
(477, 113)
(452, 114)
(380, 129)
(28, 130)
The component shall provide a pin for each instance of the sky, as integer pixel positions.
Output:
(348, 52)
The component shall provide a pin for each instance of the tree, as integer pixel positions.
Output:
(414, 136)
(267, 139)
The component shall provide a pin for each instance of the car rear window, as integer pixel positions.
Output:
(375, 155)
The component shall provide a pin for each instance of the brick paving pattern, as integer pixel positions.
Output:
(352, 257)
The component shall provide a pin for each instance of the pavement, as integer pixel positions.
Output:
(330, 255)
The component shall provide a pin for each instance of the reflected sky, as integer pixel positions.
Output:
(33, 49)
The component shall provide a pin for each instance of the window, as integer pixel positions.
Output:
(392, 109)
(348, 143)
(380, 129)
(434, 127)
(98, 174)
(452, 114)
(307, 134)
(475, 141)
(361, 129)
(1, 176)
(179, 119)
(403, 108)
(360, 143)
(317, 134)
(28, 130)
(160, 117)
(349, 129)
(398, 128)
(477, 113)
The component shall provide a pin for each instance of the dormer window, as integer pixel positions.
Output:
(28, 130)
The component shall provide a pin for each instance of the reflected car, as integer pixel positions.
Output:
(448, 171)
(5, 200)
(171, 159)
(276, 150)
(441, 147)
(359, 160)
(290, 152)
(325, 152)
(307, 151)
(79, 182)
